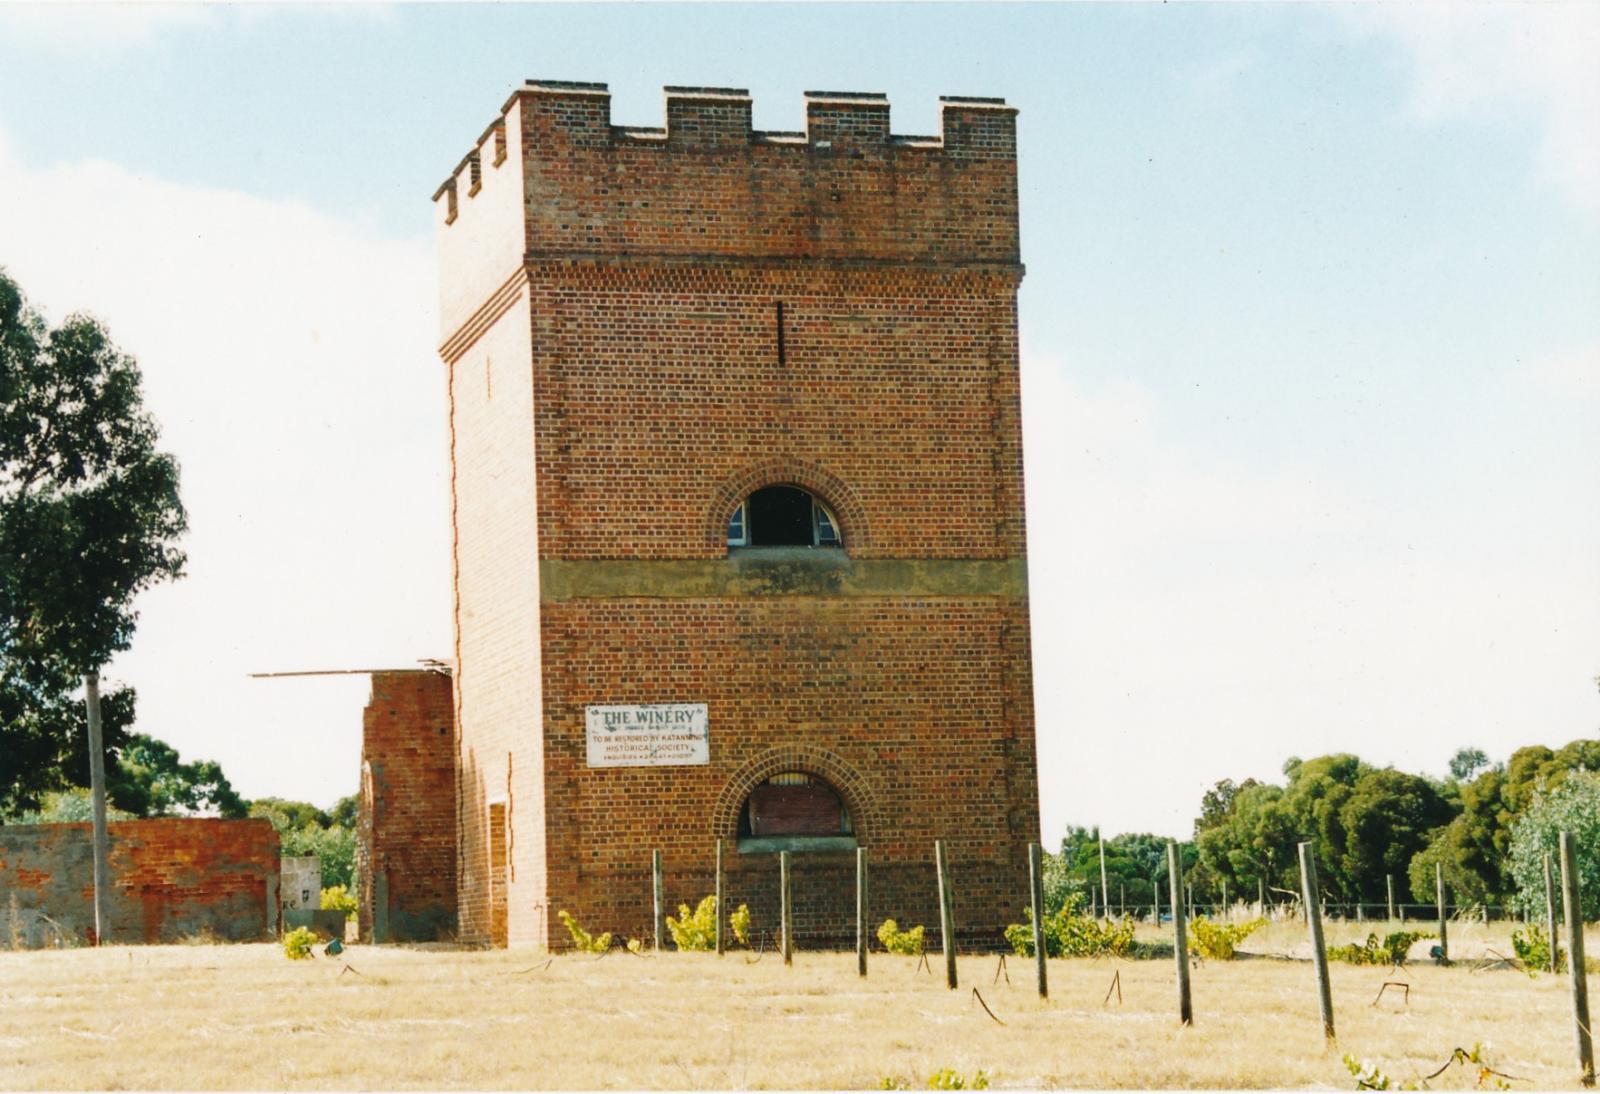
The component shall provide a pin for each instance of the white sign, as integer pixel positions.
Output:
(652, 735)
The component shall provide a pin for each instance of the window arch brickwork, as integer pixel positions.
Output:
(828, 487)
(839, 772)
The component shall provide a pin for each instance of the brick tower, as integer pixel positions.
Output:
(738, 515)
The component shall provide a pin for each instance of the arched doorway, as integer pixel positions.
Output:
(795, 811)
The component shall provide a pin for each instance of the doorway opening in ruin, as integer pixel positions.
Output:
(795, 811)
(498, 872)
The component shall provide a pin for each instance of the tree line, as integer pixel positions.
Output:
(1487, 824)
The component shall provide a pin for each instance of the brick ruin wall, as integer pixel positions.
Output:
(406, 824)
(684, 315)
(172, 878)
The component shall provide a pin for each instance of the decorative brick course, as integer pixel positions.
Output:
(643, 325)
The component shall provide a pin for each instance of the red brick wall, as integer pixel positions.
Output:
(617, 391)
(171, 878)
(908, 707)
(406, 829)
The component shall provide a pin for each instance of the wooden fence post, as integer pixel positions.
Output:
(1550, 917)
(1105, 890)
(1261, 896)
(947, 924)
(658, 891)
(1223, 914)
(721, 912)
(1180, 942)
(1036, 902)
(1155, 899)
(1319, 954)
(1438, 894)
(1389, 884)
(785, 911)
(862, 912)
(1577, 974)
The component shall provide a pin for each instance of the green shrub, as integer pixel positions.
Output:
(1533, 949)
(696, 930)
(298, 942)
(1391, 951)
(1067, 934)
(1216, 941)
(950, 1079)
(897, 941)
(582, 939)
(341, 898)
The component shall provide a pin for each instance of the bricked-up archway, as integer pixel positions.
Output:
(851, 785)
(826, 486)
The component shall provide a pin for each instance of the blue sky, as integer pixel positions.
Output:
(1310, 337)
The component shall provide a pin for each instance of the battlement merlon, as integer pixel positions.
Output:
(576, 116)
(552, 178)
(972, 126)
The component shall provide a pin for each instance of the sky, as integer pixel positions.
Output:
(1310, 348)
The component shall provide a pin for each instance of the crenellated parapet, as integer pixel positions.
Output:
(707, 184)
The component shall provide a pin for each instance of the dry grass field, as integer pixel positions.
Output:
(232, 1017)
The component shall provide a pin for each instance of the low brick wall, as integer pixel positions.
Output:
(171, 878)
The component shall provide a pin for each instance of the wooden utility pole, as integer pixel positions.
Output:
(947, 923)
(1550, 917)
(1576, 974)
(661, 907)
(721, 914)
(785, 908)
(1309, 890)
(97, 791)
(1036, 902)
(1438, 895)
(1261, 896)
(1224, 913)
(1180, 941)
(862, 912)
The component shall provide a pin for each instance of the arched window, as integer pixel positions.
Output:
(782, 516)
(795, 811)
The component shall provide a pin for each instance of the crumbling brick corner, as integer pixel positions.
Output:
(406, 827)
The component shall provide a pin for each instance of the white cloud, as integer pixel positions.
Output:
(1474, 59)
(288, 359)
(1195, 619)
(79, 28)
(1575, 374)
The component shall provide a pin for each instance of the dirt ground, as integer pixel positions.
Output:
(245, 1017)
